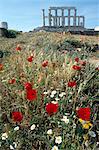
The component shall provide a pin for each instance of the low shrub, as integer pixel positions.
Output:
(12, 33)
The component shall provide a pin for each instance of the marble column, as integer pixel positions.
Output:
(54, 20)
(59, 21)
(56, 17)
(83, 21)
(63, 19)
(78, 20)
(68, 17)
(43, 10)
(74, 19)
(50, 18)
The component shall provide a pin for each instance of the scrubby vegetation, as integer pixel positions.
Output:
(12, 33)
(48, 93)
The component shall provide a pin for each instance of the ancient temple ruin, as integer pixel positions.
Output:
(64, 17)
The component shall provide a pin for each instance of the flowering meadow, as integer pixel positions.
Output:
(48, 93)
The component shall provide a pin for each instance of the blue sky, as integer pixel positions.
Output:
(27, 14)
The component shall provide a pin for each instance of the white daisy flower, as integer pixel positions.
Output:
(51, 96)
(97, 143)
(74, 126)
(70, 100)
(74, 116)
(58, 140)
(62, 94)
(92, 133)
(49, 132)
(33, 127)
(45, 93)
(16, 128)
(65, 119)
(53, 92)
(54, 147)
(11, 147)
(57, 99)
(67, 114)
(15, 145)
(54, 102)
(4, 136)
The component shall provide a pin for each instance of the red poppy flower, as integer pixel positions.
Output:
(75, 67)
(17, 116)
(77, 59)
(72, 84)
(84, 113)
(18, 48)
(30, 59)
(97, 69)
(1, 67)
(45, 63)
(31, 94)
(28, 86)
(12, 81)
(51, 108)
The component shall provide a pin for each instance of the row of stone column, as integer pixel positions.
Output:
(56, 18)
(65, 21)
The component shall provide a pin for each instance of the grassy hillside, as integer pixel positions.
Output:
(43, 38)
(49, 92)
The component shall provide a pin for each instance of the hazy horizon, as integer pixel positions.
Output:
(26, 15)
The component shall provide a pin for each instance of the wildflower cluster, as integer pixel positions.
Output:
(47, 105)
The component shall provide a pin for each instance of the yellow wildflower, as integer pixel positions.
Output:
(85, 124)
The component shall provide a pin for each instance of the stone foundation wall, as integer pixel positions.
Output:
(72, 30)
(60, 29)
